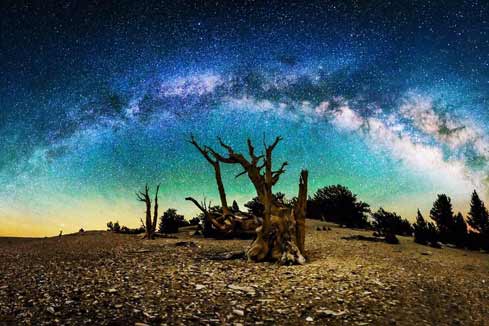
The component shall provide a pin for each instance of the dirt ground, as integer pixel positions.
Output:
(100, 278)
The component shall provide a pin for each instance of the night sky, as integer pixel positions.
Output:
(388, 98)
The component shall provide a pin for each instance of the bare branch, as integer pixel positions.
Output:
(240, 174)
(203, 150)
(227, 147)
(139, 196)
(221, 158)
(282, 168)
(251, 151)
(276, 174)
(155, 215)
(233, 157)
(202, 207)
(277, 140)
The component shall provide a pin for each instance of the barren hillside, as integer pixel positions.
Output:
(100, 278)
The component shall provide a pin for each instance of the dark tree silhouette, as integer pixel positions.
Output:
(339, 205)
(117, 228)
(235, 206)
(425, 232)
(114, 227)
(475, 241)
(126, 230)
(459, 231)
(255, 207)
(171, 221)
(442, 214)
(421, 231)
(389, 224)
(478, 217)
(433, 235)
(194, 221)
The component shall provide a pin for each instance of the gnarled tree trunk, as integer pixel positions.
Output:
(150, 224)
(280, 234)
(282, 238)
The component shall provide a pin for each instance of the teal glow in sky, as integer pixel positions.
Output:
(389, 100)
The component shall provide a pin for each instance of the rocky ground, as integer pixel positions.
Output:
(100, 278)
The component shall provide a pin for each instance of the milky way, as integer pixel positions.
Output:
(95, 101)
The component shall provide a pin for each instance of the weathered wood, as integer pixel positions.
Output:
(300, 212)
(150, 224)
(234, 224)
(280, 235)
(217, 171)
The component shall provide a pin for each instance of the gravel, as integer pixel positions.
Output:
(110, 279)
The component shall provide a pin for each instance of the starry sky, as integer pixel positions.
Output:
(98, 98)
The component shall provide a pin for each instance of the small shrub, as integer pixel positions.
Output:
(117, 227)
(389, 224)
(339, 205)
(126, 230)
(171, 221)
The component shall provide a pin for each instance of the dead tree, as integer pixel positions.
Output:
(228, 223)
(280, 234)
(150, 224)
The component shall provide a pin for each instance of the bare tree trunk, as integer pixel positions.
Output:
(281, 235)
(150, 224)
(217, 171)
(284, 241)
(155, 215)
(220, 188)
(300, 212)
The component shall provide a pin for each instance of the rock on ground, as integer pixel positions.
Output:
(101, 278)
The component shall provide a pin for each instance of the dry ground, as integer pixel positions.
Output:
(101, 278)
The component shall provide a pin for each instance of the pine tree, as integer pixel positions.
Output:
(389, 224)
(478, 217)
(459, 232)
(420, 229)
(433, 235)
(442, 214)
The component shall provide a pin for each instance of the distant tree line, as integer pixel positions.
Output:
(117, 228)
(337, 204)
(452, 228)
(169, 223)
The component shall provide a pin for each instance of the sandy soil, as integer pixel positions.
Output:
(100, 278)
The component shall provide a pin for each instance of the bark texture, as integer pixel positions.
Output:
(280, 233)
(150, 222)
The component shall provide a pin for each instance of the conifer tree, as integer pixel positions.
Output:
(459, 232)
(421, 232)
(478, 217)
(433, 234)
(442, 214)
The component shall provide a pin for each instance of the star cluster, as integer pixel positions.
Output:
(389, 99)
